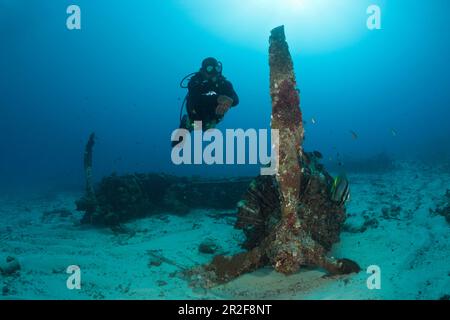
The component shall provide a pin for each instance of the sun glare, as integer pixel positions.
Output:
(318, 24)
(295, 3)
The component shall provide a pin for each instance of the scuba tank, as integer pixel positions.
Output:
(184, 86)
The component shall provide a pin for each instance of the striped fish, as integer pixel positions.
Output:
(340, 192)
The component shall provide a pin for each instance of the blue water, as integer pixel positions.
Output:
(119, 77)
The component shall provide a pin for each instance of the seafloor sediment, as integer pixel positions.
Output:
(392, 223)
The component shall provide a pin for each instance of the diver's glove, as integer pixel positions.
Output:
(224, 104)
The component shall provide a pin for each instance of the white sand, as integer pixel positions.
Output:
(412, 250)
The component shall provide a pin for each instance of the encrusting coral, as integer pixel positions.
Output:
(287, 119)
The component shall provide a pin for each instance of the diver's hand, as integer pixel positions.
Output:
(224, 105)
(222, 109)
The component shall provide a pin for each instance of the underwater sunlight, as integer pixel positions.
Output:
(315, 25)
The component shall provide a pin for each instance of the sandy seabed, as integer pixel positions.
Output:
(389, 225)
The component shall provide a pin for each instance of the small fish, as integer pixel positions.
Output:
(313, 121)
(393, 132)
(318, 155)
(340, 191)
(354, 135)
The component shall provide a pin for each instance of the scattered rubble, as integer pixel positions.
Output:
(209, 246)
(10, 266)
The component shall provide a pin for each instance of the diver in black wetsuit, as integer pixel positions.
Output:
(210, 97)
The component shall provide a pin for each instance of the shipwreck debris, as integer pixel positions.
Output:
(88, 166)
(290, 220)
(157, 259)
(287, 118)
(119, 199)
(89, 202)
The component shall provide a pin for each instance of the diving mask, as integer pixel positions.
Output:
(214, 69)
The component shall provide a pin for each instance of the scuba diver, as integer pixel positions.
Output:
(209, 98)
